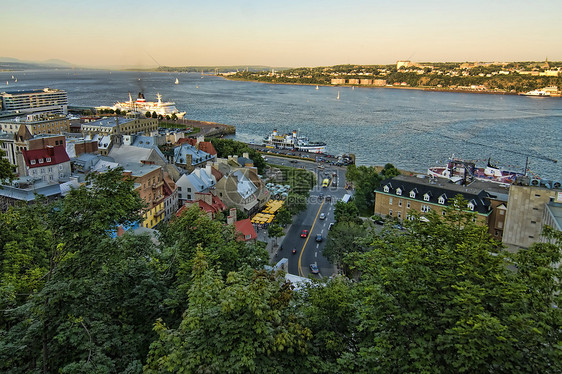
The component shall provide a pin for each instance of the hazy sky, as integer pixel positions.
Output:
(280, 33)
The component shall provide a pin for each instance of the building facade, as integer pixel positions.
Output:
(34, 101)
(526, 214)
(400, 196)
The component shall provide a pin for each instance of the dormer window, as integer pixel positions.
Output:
(399, 191)
(413, 194)
(386, 189)
(40, 160)
(470, 205)
(426, 197)
(441, 200)
(32, 162)
(48, 159)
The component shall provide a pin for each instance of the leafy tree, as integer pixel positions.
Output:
(174, 117)
(343, 239)
(154, 115)
(439, 298)
(346, 212)
(243, 323)
(147, 114)
(389, 171)
(283, 216)
(194, 231)
(275, 231)
(330, 312)
(6, 169)
(76, 317)
(366, 180)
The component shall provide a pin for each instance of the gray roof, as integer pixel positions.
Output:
(25, 189)
(197, 156)
(245, 186)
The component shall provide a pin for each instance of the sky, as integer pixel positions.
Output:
(286, 33)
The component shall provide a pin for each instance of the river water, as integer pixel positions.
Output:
(410, 128)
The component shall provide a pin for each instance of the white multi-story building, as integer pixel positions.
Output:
(46, 100)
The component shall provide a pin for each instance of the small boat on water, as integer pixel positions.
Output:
(462, 171)
(317, 87)
(177, 81)
(292, 141)
(337, 98)
(536, 93)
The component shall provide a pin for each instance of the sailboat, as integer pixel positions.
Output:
(16, 81)
(316, 86)
(337, 98)
(177, 81)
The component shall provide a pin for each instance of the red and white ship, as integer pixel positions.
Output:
(461, 171)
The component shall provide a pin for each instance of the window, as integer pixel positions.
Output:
(390, 200)
(500, 225)
(502, 212)
(32, 162)
(399, 214)
(48, 159)
(188, 189)
(40, 160)
(408, 205)
(179, 189)
(441, 200)
(413, 194)
(470, 206)
(400, 202)
(390, 212)
(399, 191)
(534, 222)
(443, 213)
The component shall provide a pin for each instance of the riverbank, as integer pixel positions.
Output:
(419, 88)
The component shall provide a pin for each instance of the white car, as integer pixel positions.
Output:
(322, 216)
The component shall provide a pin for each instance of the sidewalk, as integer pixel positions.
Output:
(272, 250)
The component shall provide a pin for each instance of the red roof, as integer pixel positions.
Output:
(246, 229)
(45, 156)
(208, 147)
(190, 141)
(216, 206)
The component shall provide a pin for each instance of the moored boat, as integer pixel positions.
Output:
(462, 171)
(141, 106)
(292, 141)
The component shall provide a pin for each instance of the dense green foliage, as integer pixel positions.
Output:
(229, 147)
(438, 297)
(365, 180)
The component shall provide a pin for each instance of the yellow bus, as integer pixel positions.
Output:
(325, 182)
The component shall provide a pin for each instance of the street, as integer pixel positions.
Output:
(308, 250)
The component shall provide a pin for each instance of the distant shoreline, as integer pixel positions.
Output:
(428, 88)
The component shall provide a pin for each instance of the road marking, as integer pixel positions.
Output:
(321, 232)
(308, 237)
(315, 254)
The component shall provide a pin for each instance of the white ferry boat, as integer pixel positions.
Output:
(140, 105)
(292, 141)
(536, 93)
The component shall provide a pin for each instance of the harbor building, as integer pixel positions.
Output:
(47, 100)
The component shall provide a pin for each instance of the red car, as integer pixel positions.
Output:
(304, 233)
